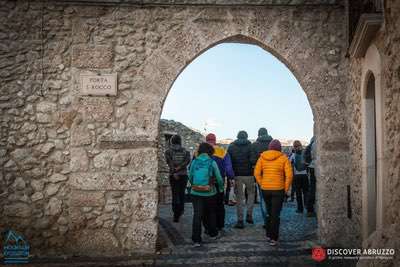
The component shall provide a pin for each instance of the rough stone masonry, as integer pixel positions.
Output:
(79, 173)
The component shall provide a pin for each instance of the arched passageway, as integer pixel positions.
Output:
(328, 204)
(249, 106)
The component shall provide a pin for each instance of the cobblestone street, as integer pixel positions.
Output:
(239, 247)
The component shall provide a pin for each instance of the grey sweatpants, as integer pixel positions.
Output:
(240, 183)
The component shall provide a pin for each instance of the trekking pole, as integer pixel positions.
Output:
(261, 204)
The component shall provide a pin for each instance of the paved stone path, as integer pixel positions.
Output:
(236, 248)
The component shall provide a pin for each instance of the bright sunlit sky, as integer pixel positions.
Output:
(234, 87)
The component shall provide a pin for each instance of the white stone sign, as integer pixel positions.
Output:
(98, 85)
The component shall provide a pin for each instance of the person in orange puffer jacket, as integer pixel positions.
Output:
(274, 174)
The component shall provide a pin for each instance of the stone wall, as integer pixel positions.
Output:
(79, 173)
(387, 42)
(190, 140)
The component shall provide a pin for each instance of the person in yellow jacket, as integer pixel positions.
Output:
(274, 174)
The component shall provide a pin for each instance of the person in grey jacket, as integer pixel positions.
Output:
(178, 158)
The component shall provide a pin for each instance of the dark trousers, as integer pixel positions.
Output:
(203, 210)
(220, 210)
(273, 202)
(292, 192)
(300, 184)
(178, 187)
(311, 190)
(219, 213)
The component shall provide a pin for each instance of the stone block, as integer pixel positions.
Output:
(57, 177)
(96, 242)
(18, 210)
(79, 160)
(141, 236)
(80, 136)
(52, 189)
(92, 57)
(142, 205)
(125, 139)
(103, 160)
(37, 196)
(111, 181)
(97, 109)
(80, 198)
(46, 107)
(54, 207)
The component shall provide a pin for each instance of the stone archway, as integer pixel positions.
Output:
(90, 168)
(327, 105)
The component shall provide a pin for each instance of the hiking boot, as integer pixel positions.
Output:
(239, 225)
(249, 219)
(176, 219)
(196, 244)
(273, 243)
(218, 236)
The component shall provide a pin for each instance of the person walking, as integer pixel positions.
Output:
(300, 178)
(310, 158)
(258, 147)
(240, 152)
(274, 174)
(223, 160)
(205, 181)
(177, 158)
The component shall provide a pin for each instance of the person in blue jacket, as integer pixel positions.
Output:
(205, 180)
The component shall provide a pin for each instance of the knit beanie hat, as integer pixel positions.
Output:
(176, 140)
(275, 145)
(211, 139)
(262, 132)
(242, 135)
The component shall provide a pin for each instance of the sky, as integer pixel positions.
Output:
(233, 87)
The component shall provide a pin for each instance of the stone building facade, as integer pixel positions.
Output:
(373, 105)
(79, 172)
(190, 139)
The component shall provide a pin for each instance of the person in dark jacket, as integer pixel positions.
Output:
(240, 153)
(260, 145)
(223, 160)
(257, 148)
(178, 158)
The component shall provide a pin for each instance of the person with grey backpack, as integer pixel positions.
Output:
(300, 178)
(178, 159)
